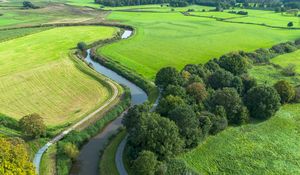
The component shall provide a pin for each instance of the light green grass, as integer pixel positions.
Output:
(270, 147)
(269, 18)
(37, 75)
(223, 15)
(172, 39)
(15, 33)
(107, 161)
(290, 58)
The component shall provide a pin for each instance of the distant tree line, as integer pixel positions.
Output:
(202, 100)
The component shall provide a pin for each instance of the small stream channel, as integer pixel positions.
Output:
(88, 159)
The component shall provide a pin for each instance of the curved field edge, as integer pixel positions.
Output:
(64, 68)
(172, 39)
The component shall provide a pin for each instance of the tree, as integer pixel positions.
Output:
(133, 116)
(178, 167)
(175, 91)
(71, 150)
(197, 91)
(33, 125)
(290, 24)
(285, 90)
(219, 79)
(262, 102)
(188, 124)
(205, 124)
(234, 63)
(289, 70)
(157, 134)
(28, 4)
(212, 65)
(168, 76)
(199, 70)
(82, 46)
(248, 83)
(145, 163)
(232, 103)
(14, 157)
(169, 103)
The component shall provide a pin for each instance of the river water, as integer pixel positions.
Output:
(88, 160)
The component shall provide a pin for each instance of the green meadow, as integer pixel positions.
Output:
(38, 75)
(172, 39)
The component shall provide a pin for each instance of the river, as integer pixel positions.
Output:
(88, 160)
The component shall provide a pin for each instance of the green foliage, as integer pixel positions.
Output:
(33, 125)
(234, 63)
(290, 24)
(28, 4)
(82, 46)
(289, 70)
(178, 167)
(156, 134)
(169, 103)
(71, 150)
(145, 163)
(133, 116)
(199, 70)
(262, 102)
(188, 124)
(14, 157)
(220, 79)
(168, 76)
(175, 91)
(229, 98)
(248, 82)
(197, 91)
(285, 90)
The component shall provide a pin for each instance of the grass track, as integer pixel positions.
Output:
(171, 39)
(46, 80)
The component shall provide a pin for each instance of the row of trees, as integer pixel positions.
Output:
(198, 101)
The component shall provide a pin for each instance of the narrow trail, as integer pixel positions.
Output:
(39, 154)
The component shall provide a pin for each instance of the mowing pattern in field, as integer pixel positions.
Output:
(172, 39)
(37, 75)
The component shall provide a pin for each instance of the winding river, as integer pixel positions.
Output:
(88, 159)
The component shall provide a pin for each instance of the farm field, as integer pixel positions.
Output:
(43, 79)
(172, 39)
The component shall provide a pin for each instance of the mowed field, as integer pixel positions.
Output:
(270, 147)
(38, 75)
(172, 39)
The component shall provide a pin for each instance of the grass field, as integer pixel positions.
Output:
(172, 39)
(48, 163)
(107, 162)
(11, 34)
(43, 79)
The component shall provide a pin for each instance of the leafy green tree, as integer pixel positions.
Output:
(197, 91)
(168, 76)
(145, 163)
(218, 121)
(290, 24)
(82, 46)
(248, 83)
(168, 103)
(199, 70)
(285, 90)
(14, 157)
(188, 124)
(133, 116)
(71, 150)
(175, 91)
(205, 124)
(178, 167)
(33, 125)
(232, 103)
(237, 83)
(220, 79)
(234, 63)
(157, 134)
(212, 65)
(262, 102)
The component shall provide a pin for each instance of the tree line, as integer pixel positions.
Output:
(198, 101)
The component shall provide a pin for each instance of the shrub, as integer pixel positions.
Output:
(290, 70)
(285, 90)
(28, 4)
(220, 79)
(71, 150)
(33, 125)
(169, 103)
(262, 102)
(82, 46)
(234, 63)
(197, 91)
(297, 94)
(176, 167)
(290, 24)
(218, 121)
(199, 70)
(242, 13)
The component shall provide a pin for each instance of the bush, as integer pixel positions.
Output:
(178, 167)
(218, 121)
(197, 91)
(242, 13)
(234, 63)
(290, 24)
(297, 94)
(285, 90)
(262, 102)
(28, 4)
(71, 150)
(33, 125)
(290, 70)
(220, 79)
(169, 103)
(82, 46)
(168, 76)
